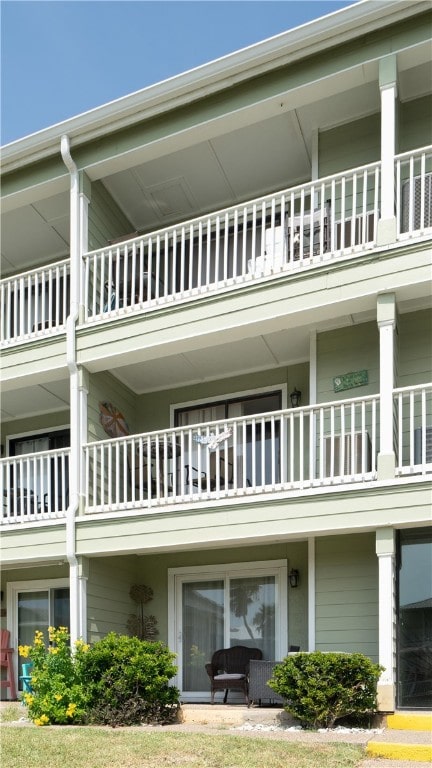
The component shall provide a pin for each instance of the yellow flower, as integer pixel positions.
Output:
(24, 650)
(71, 709)
(58, 696)
(28, 698)
(42, 720)
(38, 641)
(53, 650)
(80, 645)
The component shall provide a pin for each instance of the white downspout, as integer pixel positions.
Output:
(75, 421)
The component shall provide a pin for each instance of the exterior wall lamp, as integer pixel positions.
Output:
(294, 577)
(295, 397)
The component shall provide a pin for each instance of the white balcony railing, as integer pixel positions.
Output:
(289, 230)
(330, 444)
(299, 448)
(413, 429)
(35, 486)
(34, 303)
(414, 192)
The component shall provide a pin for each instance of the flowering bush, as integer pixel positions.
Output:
(58, 695)
(119, 681)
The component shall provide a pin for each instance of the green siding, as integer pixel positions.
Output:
(350, 145)
(154, 408)
(347, 594)
(106, 220)
(415, 348)
(359, 142)
(34, 424)
(108, 601)
(352, 348)
(33, 542)
(105, 387)
(415, 123)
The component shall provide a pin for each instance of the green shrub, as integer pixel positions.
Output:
(128, 681)
(320, 688)
(58, 695)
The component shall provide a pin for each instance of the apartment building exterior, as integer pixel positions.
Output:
(216, 356)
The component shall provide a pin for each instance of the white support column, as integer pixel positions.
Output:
(388, 89)
(386, 318)
(313, 392)
(83, 572)
(84, 201)
(83, 390)
(315, 162)
(311, 594)
(385, 549)
(312, 367)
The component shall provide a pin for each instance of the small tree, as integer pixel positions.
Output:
(321, 688)
(141, 625)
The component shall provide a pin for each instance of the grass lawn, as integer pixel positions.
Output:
(80, 747)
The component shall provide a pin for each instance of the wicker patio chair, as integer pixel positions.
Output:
(229, 670)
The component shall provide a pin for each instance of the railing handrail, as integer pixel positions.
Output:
(35, 454)
(237, 207)
(306, 409)
(35, 271)
(411, 152)
(413, 388)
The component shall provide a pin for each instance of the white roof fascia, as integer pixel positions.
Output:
(305, 40)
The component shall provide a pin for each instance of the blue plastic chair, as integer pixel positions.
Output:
(26, 677)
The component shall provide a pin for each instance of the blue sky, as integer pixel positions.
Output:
(59, 59)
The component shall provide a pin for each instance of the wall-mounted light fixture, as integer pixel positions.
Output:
(293, 578)
(295, 397)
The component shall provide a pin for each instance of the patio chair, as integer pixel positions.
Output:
(311, 229)
(26, 677)
(229, 670)
(225, 476)
(6, 661)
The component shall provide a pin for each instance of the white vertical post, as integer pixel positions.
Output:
(312, 398)
(385, 550)
(388, 89)
(311, 594)
(83, 572)
(386, 318)
(83, 205)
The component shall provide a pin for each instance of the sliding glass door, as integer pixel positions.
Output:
(415, 619)
(37, 606)
(257, 441)
(228, 606)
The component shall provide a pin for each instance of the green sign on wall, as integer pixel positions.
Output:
(350, 380)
